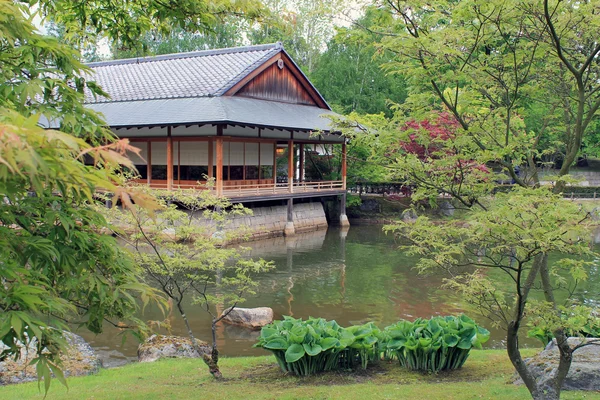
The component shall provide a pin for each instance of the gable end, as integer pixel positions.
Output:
(278, 79)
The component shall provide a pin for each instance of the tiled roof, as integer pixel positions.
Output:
(185, 75)
(212, 110)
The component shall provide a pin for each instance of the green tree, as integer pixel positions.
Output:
(226, 34)
(488, 64)
(349, 72)
(183, 253)
(125, 22)
(58, 267)
(304, 27)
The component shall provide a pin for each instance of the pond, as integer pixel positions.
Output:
(352, 276)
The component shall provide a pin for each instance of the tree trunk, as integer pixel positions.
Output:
(514, 354)
(554, 385)
(210, 360)
(512, 332)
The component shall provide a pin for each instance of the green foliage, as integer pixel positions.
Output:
(183, 251)
(303, 26)
(526, 220)
(349, 72)
(366, 345)
(41, 76)
(576, 319)
(437, 344)
(315, 345)
(228, 33)
(353, 201)
(326, 166)
(124, 23)
(58, 268)
(305, 347)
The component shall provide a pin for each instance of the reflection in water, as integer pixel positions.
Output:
(352, 276)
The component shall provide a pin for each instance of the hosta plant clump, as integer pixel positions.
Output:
(365, 347)
(316, 345)
(437, 344)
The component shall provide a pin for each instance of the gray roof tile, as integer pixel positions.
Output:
(196, 74)
(211, 110)
(225, 109)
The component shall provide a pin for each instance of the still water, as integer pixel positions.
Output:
(352, 276)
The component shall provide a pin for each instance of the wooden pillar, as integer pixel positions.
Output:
(301, 166)
(210, 158)
(259, 164)
(149, 167)
(219, 177)
(169, 159)
(275, 164)
(291, 166)
(344, 165)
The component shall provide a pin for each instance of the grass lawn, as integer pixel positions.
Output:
(484, 376)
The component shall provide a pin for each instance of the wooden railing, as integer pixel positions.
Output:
(255, 189)
(300, 187)
(235, 189)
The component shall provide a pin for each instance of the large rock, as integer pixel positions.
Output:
(584, 373)
(160, 346)
(446, 208)
(409, 215)
(79, 360)
(370, 205)
(254, 318)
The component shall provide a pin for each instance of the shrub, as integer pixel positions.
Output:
(365, 347)
(353, 201)
(316, 345)
(440, 343)
(305, 347)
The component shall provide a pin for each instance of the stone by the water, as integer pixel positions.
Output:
(370, 205)
(79, 360)
(254, 318)
(409, 215)
(161, 346)
(446, 208)
(584, 373)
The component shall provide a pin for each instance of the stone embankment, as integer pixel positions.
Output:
(79, 360)
(268, 222)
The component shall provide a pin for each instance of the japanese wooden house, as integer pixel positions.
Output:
(227, 114)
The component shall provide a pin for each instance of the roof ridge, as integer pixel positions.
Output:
(189, 54)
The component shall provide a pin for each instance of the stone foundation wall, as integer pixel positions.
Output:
(270, 221)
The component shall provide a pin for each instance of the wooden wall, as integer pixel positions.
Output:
(277, 84)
